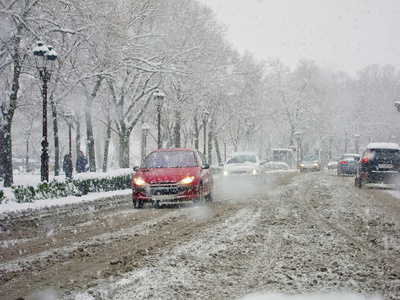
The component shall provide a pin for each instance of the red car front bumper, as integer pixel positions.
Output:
(164, 193)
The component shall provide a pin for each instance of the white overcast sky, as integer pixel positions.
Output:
(342, 35)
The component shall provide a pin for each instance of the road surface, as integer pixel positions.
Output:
(298, 234)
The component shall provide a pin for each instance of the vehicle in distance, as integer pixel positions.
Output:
(333, 162)
(244, 165)
(380, 163)
(170, 176)
(347, 164)
(310, 163)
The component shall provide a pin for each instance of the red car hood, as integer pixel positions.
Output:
(166, 175)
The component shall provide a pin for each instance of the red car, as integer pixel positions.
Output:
(172, 176)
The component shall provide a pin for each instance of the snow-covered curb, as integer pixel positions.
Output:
(39, 204)
(10, 204)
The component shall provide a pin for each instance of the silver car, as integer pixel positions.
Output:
(244, 166)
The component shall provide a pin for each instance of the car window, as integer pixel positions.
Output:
(240, 159)
(170, 159)
(310, 158)
(384, 154)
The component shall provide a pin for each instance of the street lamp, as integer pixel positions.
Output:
(297, 134)
(159, 97)
(69, 118)
(356, 140)
(204, 117)
(145, 130)
(27, 136)
(45, 58)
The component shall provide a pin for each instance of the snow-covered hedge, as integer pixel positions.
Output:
(77, 187)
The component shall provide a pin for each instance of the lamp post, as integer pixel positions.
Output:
(69, 118)
(45, 58)
(27, 136)
(297, 134)
(356, 141)
(159, 97)
(145, 130)
(204, 117)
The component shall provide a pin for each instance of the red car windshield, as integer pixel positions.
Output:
(170, 159)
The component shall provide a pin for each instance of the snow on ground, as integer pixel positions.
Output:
(331, 296)
(134, 283)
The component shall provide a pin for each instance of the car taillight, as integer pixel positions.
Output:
(343, 162)
(365, 159)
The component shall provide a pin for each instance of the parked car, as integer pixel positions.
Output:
(347, 164)
(333, 162)
(310, 163)
(276, 165)
(244, 165)
(170, 176)
(380, 163)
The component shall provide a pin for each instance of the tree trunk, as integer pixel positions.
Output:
(8, 114)
(89, 135)
(177, 129)
(6, 154)
(106, 146)
(216, 144)
(2, 147)
(210, 138)
(196, 133)
(124, 147)
(89, 126)
(78, 135)
(56, 140)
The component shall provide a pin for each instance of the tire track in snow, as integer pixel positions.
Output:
(142, 229)
(183, 265)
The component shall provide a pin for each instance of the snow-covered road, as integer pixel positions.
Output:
(302, 236)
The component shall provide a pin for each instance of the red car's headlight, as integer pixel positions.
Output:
(187, 180)
(139, 181)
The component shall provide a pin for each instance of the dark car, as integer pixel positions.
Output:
(347, 164)
(170, 176)
(380, 163)
(310, 163)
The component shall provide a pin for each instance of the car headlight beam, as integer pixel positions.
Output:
(187, 180)
(139, 181)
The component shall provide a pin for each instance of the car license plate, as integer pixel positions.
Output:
(162, 197)
(385, 166)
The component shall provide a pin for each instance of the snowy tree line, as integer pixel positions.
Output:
(113, 56)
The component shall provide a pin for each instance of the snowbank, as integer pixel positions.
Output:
(9, 204)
